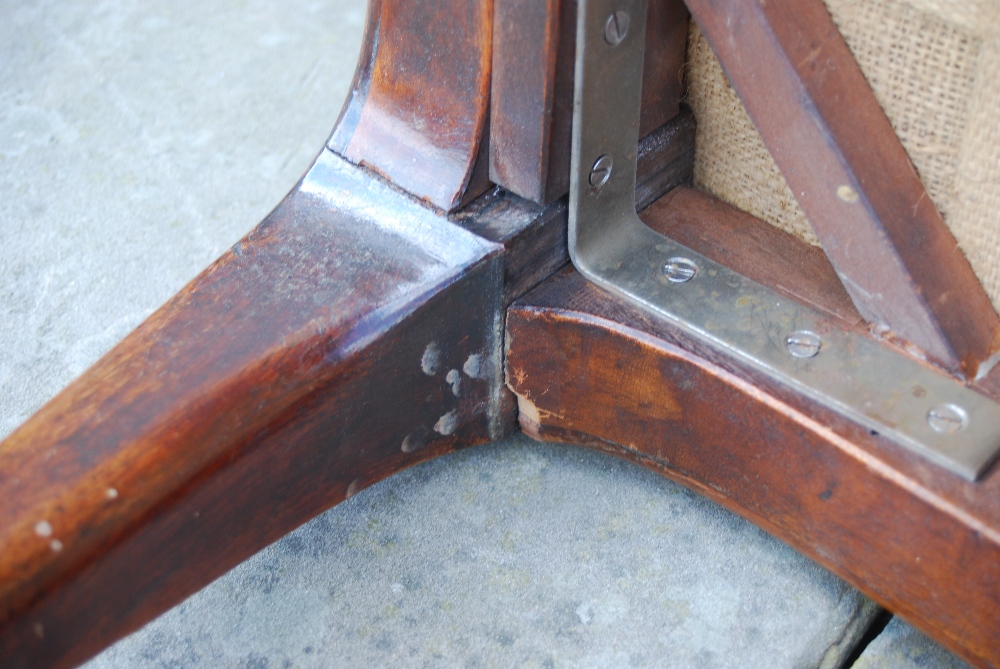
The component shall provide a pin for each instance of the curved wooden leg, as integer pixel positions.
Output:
(221, 423)
(589, 368)
(352, 314)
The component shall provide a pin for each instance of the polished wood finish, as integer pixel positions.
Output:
(324, 352)
(532, 90)
(820, 120)
(356, 332)
(418, 111)
(589, 368)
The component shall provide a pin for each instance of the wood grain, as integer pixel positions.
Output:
(750, 246)
(850, 174)
(663, 63)
(324, 352)
(534, 236)
(532, 89)
(590, 369)
(418, 111)
(352, 334)
(665, 158)
(528, 65)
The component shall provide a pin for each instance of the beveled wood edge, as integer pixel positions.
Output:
(423, 125)
(544, 416)
(204, 421)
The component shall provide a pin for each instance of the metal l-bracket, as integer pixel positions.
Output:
(871, 384)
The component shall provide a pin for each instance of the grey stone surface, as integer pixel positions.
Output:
(513, 554)
(138, 140)
(900, 646)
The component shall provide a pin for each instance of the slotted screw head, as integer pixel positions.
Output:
(803, 344)
(680, 270)
(601, 171)
(616, 27)
(947, 418)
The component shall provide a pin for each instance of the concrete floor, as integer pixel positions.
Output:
(140, 140)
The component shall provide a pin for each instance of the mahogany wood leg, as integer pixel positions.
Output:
(351, 315)
(232, 415)
(589, 368)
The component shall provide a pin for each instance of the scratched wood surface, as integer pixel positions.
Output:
(224, 421)
(233, 414)
(216, 427)
(849, 172)
(589, 368)
(256, 432)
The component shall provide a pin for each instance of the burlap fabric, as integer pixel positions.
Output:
(935, 68)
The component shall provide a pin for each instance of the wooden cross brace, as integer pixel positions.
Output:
(243, 407)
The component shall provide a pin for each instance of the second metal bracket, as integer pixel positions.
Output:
(870, 384)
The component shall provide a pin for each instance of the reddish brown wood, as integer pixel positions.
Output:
(534, 236)
(418, 110)
(590, 369)
(297, 369)
(770, 256)
(663, 63)
(305, 364)
(532, 89)
(990, 384)
(526, 51)
(852, 177)
(665, 158)
(753, 248)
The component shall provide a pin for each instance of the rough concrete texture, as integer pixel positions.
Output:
(514, 554)
(899, 646)
(140, 140)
